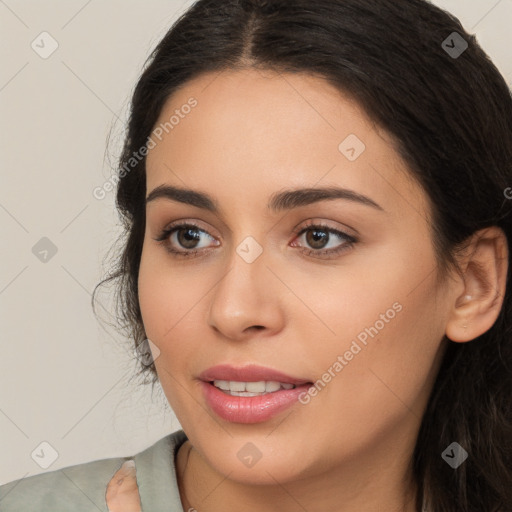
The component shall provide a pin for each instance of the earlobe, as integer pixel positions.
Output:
(484, 269)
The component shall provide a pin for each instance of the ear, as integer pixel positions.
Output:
(484, 269)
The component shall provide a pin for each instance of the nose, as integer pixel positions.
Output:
(246, 300)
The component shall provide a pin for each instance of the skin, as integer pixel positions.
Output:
(349, 449)
(122, 494)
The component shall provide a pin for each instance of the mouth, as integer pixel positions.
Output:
(250, 375)
(250, 394)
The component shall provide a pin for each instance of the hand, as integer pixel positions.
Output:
(122, 493)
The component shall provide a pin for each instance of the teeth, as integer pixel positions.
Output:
(256, 387)
(243, 393)
(221, 384)
(271, 386)
(236, 388)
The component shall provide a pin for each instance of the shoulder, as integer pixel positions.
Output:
(82, 487)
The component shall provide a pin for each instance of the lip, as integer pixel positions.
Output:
(255, 409)
(248, 373)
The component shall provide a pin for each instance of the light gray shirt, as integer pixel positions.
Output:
(81, 488)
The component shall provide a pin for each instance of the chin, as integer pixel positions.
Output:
(264, 472)
(256, 460)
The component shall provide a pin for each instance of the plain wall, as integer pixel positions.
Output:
(64, 378)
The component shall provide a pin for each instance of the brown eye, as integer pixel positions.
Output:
(318, 237)
(184, 239)
(188, 237)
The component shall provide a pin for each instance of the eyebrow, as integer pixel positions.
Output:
(285, 200)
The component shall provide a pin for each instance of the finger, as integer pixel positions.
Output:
(122, 494)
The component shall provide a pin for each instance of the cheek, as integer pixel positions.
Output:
(387, 363)
(168, 299)
(173, 305)
(386, 331)
(167, 309)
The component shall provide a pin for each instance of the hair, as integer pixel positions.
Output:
(451, 122)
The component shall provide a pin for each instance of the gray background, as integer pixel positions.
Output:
(65, 378)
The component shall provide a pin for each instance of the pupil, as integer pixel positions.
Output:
(190, 236)
(318, 236)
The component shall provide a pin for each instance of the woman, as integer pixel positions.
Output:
(317, 206)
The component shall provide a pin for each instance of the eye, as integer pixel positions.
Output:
(323, 240)
(186, 236)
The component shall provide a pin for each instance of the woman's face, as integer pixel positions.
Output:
(340, 292)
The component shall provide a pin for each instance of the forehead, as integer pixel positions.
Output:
(256, 132)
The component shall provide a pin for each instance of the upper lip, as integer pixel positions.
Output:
(248, 373)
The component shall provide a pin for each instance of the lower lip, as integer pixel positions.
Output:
(250, 409)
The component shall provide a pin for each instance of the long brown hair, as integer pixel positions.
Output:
(450, 112)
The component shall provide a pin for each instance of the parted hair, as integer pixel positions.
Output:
(450, 117)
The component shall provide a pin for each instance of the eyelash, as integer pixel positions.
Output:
(349, 240)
